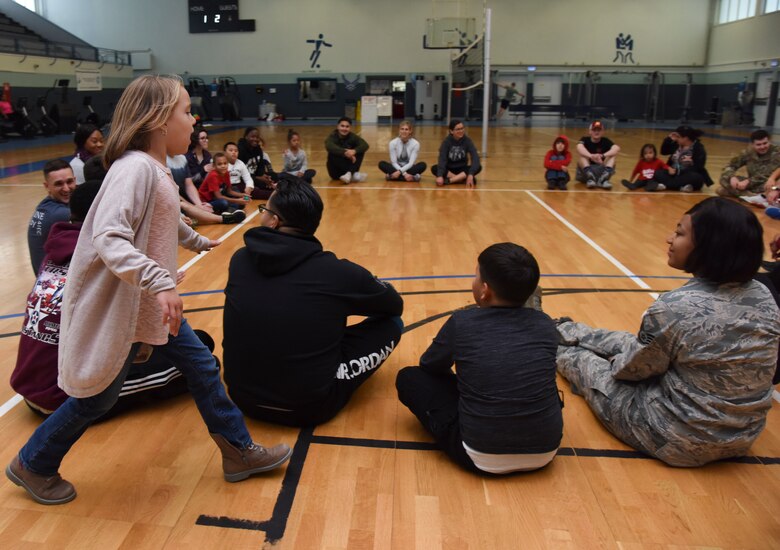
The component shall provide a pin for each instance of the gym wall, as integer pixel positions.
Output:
(378, 37)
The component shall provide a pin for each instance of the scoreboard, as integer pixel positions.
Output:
(217, 16)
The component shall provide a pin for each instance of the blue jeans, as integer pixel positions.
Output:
(49, 444)
(219, 205)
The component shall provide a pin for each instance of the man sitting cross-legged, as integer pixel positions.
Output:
(597, 158)
(760, 159)
(289, 355)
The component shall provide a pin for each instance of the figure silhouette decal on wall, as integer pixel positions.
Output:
(315, 54)
(625, 48)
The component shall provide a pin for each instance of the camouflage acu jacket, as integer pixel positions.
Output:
(758, 168)
(696, 384)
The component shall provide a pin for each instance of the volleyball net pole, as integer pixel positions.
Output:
(486, 79)
(472, 66)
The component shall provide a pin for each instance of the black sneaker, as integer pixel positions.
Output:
(233, 217)
(551, 186)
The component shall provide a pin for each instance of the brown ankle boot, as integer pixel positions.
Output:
(43, 489)
(238, 464)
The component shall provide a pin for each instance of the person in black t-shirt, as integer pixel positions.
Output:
(597, 158)
(500, 412)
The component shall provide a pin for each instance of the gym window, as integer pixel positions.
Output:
(771, 5)
(29, 4)
(734, 10)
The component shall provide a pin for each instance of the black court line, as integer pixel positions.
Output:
(274, 528)
(374, 443)
(562, 451)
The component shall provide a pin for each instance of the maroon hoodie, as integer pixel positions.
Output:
(561, 164)
(35, 375)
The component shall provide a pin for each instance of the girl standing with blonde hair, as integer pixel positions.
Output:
(121, 297)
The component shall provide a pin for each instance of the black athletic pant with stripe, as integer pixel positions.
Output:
(151, 381)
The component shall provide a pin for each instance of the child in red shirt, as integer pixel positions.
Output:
(557, 162)
(645, 170)
(216, 190)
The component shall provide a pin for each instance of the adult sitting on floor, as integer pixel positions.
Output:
(760, 159)
(687, 160)
(289, 355)
(89, 143)
(35, 376)
(59, 182)
(198, 156)
(598, 155)
(403, 165)
(695, 385)
(345, 153)
(250, 152)
(458, 158)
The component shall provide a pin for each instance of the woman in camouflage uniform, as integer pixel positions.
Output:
(696, 384)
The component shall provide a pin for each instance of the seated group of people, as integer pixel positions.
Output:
(228, 180)
(684, 171)
(694, 385)
(458, 157)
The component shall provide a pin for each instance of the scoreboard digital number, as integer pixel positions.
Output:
(217, 16)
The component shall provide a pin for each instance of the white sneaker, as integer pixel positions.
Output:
(590, 184)
(417, 177)
(687, 188)
(661, 187)
(346, 178)
(605, 185)
(359, 176)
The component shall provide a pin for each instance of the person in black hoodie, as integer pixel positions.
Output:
(687, 160)
(289, 356)
(454, 154)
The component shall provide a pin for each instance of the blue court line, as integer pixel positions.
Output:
(424, 277)
(19, 169)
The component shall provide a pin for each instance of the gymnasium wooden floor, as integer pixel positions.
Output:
(371, 479)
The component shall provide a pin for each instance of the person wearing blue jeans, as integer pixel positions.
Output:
(121, 297)
(45, 450)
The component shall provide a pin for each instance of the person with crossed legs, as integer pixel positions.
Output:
(289, 355)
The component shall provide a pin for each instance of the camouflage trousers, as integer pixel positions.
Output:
(631, 411)
(756, 187)
(584, 362)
